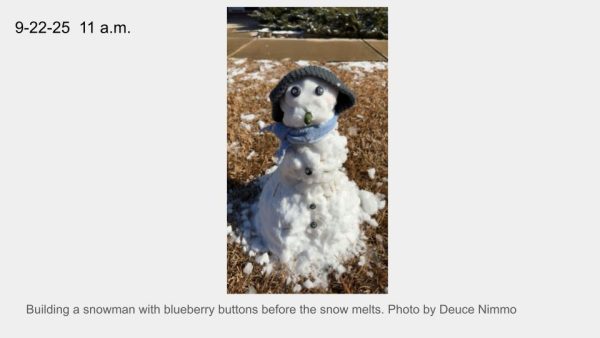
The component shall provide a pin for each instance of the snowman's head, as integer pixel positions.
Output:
(308, 101)
(309, 96)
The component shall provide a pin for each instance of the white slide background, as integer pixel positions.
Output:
(113, 174)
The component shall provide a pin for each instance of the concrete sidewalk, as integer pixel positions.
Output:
(306, 49)
(242, 42)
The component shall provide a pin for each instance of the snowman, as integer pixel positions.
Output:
(309, 213)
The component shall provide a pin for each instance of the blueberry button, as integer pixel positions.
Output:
(308, 171)
(313, 224)
(312, 206)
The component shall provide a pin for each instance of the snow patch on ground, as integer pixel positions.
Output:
(371, 173)
(247, 117)
(302, 63)
(308, 284)
(258, 76)
(365, 66)
(233, 72)
(264, 70)
(359, 68)
(262, 259)
(233, 147)
(248, 268)
(246, 126)
(238, 62)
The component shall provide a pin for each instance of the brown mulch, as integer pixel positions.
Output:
(365, 125)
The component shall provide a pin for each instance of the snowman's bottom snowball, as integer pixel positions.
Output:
(312, 228)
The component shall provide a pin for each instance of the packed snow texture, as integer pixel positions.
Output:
(310, 223)
(309, 212)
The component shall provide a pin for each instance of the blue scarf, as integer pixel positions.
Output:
(306, 135)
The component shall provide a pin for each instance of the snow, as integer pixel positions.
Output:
(371, 172)
(247, 117)
(308, 284)
(267, 269)
(282, 215)
(233, 146)
(352, 131)
(271, 170)
(381, 199)
(362, 261)
(256, 76)
(309, 223)
(265, 67)
(369, 202)
(262, 259)
(238, 62)
(366, 66)
(246, 126)
(261, 124)
(234, 72)
(372, 222)
(287, 32)
(302, 63)
(248, 268)
(322, 107)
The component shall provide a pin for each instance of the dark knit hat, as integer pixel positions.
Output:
(345, 97)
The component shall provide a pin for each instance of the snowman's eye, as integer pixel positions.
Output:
(295, 91)
(319, 90)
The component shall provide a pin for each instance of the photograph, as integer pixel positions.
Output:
(180, 168)
(307, 150)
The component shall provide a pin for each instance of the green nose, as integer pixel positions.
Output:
(308, 117)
